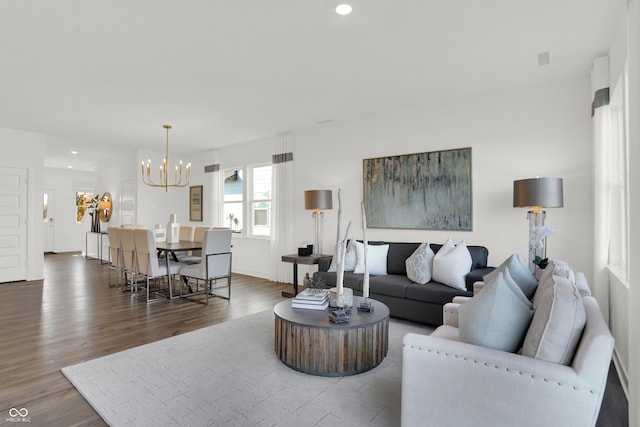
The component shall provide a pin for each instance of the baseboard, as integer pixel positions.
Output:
(622, 373)
(254, 273)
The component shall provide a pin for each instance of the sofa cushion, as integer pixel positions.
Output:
(376, 258)
(398, 254)
(392, 285)
(498, 317)
(519, 272)
(433, 292)
(557, 323)
(419, 264)
(451, 264)
(350, 280)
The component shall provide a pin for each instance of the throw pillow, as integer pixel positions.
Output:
(419, 264)
(376, 257)
(557, 323)
(498, 317)
(519, 273)
(349, 259)
(451, 264)
(555, 267)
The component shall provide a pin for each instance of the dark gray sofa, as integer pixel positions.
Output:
(406, 299)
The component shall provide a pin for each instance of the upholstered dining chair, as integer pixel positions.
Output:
(194, 257)
(215, 263)
(186, 232)
(128, 254)
(115, 255)
(147, 261)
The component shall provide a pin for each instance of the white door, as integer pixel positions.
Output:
(13, 224)
(48, 215)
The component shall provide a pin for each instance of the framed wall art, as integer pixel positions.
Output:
(195, 203)
(427, 191)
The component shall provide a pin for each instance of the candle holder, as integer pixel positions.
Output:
(366, 305)
(340, 315)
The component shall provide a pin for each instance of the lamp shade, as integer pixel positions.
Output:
(538, 192)
(318, 199)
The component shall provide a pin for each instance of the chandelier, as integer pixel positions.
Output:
(164, 171)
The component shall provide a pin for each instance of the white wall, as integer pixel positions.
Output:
(69, 236)
(535, 131)
(23, 149)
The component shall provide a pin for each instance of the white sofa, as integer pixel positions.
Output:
(446, 382)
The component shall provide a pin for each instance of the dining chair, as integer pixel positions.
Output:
(194, 257)
(128, 253)
(147, 261)
(186, 232)
(115, 255)
(215, 263)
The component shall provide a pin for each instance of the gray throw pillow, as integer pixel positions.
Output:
(519, 273)
(419, 264)
(557, 323)
(498, 317)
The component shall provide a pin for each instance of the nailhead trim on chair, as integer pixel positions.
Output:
(487, 364)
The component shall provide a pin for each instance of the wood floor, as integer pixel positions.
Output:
(73, 315)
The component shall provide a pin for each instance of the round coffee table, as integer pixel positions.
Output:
(307, 341)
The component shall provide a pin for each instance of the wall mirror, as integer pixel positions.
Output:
(105, 206)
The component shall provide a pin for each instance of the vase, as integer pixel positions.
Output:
(95, 223)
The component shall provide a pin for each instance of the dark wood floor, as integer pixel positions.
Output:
(73, 315)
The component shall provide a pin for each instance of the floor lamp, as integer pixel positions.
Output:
(318, 200)
(537, 193)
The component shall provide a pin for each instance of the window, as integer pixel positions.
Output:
(248, 195)
(261, 200)
(233, 198)
(83, 200)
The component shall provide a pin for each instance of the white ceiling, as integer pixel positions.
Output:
(108, 74)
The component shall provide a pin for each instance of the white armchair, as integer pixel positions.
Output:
(450, 383)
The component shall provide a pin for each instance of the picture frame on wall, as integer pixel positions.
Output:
(422, 191)
(195, 203)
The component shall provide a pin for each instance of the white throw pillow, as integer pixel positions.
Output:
(498, 317)
(557, 323)
(519, 272)
(349, 259)
(419, 264)
(555, 267)
(376, 258)
(451, 264)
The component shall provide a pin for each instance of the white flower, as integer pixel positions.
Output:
(538, 234)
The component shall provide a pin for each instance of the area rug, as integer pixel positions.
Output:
(229, 375)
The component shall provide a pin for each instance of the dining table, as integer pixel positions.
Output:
(171, 249)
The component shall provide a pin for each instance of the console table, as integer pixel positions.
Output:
(307, 341)
(99, 235)
(297, 259)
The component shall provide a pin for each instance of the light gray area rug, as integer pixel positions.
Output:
(229, 375)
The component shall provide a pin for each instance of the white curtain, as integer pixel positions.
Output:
(282, 212)
(602, 134)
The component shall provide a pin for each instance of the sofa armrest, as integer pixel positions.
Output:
(495, 388)
(450, 314)
(324, 263)
(477, 287)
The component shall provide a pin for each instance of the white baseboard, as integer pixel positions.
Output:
(622, 373)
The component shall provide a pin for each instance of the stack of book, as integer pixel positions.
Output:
(312, 299)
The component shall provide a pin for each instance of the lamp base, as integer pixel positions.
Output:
(537, 237)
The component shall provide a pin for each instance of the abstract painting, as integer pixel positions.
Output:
(427, 191)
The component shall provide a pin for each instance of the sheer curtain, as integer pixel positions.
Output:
(281, 209)
(601, 121)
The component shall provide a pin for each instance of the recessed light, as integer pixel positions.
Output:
(343, 9)
(70, 167)
(74, 152)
